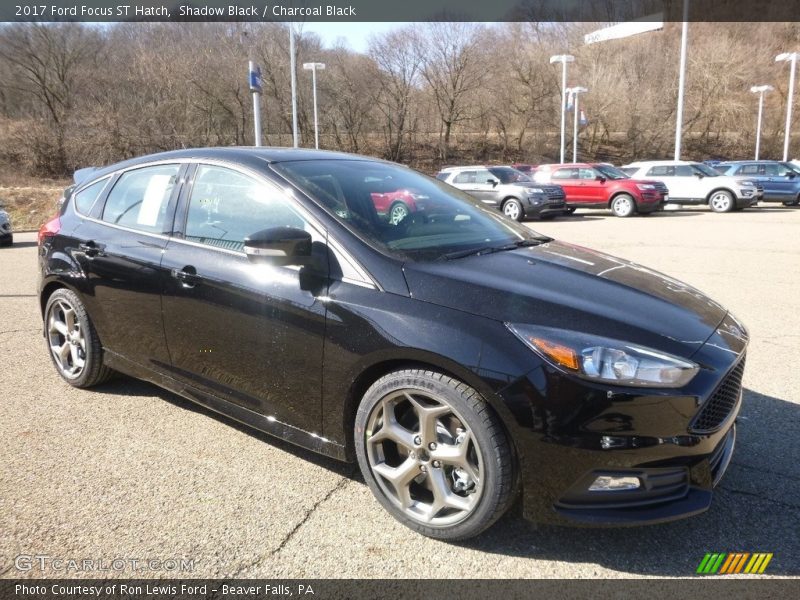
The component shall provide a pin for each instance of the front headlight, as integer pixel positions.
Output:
(602, 359)
(535, 191)
(645, 186)
(747, 183)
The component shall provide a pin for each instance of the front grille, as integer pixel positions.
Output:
(555, 193)
(720, 404)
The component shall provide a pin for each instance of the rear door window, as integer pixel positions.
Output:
(465, 177)
(140, 198)
(85, 199)
(568, 173)
(661, 171)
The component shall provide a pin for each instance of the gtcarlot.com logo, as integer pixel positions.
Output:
(730, 563)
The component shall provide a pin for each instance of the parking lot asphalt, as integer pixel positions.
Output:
(133, 472)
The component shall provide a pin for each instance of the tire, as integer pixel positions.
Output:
(8, 242)
(721, 201)
(72, 341)
(570, 210)
(513, 209)
(398, 212)
(454, 498)
(794, 202)
(623, 205)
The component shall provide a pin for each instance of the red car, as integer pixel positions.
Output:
(395, 205)
(597, 185)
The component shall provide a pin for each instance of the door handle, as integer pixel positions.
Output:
(187, 276)
(91, 248)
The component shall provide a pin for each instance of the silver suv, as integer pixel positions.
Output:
(6, 237)
(509, 190)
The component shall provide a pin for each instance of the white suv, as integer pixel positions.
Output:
(696, 183)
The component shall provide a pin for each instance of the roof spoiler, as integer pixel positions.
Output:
(82, 175)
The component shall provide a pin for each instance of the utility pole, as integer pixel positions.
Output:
(292, 66)
(313, 68)
(575, 92)
(790, 57)
(760, 90)
(255, 88)
(681, 79)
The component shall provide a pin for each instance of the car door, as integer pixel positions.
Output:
(779, 181)
(119, 246)
(568, 179)
(246, 332)
(677, 188)
(593, 186)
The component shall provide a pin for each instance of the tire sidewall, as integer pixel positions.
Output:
(88, 332)
(483, 514)
(520, 211)
(730, 206)
(631, 202)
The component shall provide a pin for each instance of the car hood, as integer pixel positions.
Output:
(562, 285)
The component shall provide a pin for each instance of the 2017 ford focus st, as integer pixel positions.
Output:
(461, 358)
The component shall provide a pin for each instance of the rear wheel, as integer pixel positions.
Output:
(434, 454)
(513, 209)
(569, 211)
(623, 205)
(73, 343)
(794, 202)
(721, 201)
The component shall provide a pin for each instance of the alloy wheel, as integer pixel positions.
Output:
(398, 213)
(424, 457)
(721, 202)
(622, 206)
(66, 339)
(511, 210)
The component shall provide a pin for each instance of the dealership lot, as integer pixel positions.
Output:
(129, 471)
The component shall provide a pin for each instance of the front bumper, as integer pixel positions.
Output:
(543, 205)
(676, 443)
(749, 197)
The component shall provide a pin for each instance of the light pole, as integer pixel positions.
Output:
(760, 90)
(292, 67)
(563, 59)
(681, 80)
(790, 57)
(575, 91)
(254, 73)
(313, 68)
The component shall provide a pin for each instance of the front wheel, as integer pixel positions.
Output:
(398, 212)
(513, 209)
(623, 206)
(721, 201)
(794, 202)
(434, 454)
(569, 211)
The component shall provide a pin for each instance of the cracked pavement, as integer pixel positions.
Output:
(131, 471)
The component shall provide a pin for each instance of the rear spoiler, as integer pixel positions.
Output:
(82, 175)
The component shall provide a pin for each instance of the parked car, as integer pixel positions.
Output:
(524, 168)
(780, 180)
(507, 189)
(6, 235)
(598, 185)
(696, 183)
(396, 205)
(460, 358)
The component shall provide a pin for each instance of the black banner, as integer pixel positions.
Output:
(616, 11)
(329, 589)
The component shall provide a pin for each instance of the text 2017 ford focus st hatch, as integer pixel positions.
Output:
(461, 358)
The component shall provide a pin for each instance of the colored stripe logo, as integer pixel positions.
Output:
(729, 563)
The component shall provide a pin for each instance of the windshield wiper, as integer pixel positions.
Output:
(491, 249)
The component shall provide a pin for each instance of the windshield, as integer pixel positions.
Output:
(509, 175)
(791, 167)
(400, 211)
(611, 172)
(704, 170)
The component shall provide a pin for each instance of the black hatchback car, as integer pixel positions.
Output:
(459, 357)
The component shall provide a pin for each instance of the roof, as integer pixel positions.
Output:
(247, 155)
(661, 162)
(569, 165)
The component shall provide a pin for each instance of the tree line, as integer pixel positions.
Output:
(426, 94)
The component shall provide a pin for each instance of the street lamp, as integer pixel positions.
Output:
(563, 59)
(575, 91)
(313, 67)
(790, 57)
(760, 90)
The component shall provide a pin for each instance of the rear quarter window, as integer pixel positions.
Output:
(84, 200)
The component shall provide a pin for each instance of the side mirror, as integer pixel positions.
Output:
(601, 179)
(791, 175)
(494, 182)
(699, 175)
(279, 246)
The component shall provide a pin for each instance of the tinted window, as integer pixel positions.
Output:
(444, 219)
(140, 197)
(585, 173)
(611, 172)
(565, 174)
(661, 171)
(85, 199)
(747, 170)
(508, 175)
(226, 206)
(465, 177)
(683, 171)
(484, 176)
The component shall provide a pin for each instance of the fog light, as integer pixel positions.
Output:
(608, 483)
